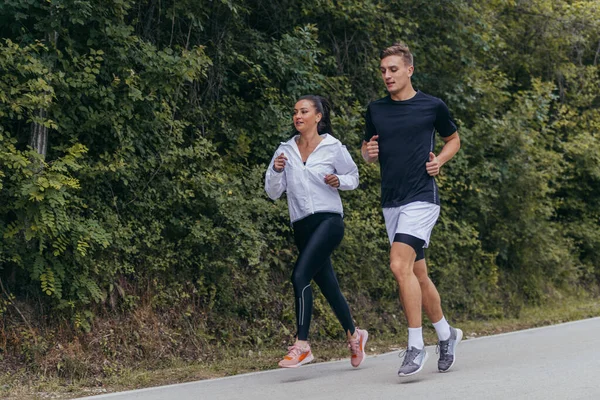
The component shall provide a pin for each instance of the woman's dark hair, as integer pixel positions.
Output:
(323, 107)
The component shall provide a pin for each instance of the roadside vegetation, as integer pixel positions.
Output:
(135, 234)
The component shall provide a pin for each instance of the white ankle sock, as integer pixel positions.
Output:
(415, 338)
(442, 328)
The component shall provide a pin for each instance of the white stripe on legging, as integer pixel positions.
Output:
(302, 305)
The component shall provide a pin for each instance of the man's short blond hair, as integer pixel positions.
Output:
(398, 49)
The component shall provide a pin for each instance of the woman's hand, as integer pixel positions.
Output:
(279, 163)
(332, 180)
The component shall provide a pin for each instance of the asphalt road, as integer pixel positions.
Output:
(555, 362)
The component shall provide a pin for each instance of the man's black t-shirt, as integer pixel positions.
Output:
(406, 132)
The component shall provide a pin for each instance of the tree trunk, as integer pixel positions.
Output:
(39, 135)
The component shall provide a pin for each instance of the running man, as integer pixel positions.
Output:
(400, 134)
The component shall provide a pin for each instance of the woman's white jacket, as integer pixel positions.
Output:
(307, 192)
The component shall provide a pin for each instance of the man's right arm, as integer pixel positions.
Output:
(370, 146)
(370, 150)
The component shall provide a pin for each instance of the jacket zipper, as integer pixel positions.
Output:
(304, 172)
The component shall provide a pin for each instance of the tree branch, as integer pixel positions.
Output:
(19, 311)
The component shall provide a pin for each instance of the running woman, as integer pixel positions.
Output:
(311, 167)
(400, 134)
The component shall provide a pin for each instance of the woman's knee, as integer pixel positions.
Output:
(299, 281)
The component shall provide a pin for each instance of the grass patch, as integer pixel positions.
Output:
(236, 361)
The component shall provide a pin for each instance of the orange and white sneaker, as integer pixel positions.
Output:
(296, 357)
(357, 347)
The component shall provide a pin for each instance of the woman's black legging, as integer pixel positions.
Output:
(316, 237)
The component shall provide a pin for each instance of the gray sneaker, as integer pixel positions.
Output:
(414, 360)
(447, 349)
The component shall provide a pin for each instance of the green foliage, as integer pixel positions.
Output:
(161, 116)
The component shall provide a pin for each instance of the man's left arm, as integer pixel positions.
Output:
(451, 147)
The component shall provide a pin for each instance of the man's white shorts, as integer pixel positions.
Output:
(416, 219)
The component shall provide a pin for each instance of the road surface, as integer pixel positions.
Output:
(554, 362)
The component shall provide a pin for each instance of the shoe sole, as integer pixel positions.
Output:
(364, 347)
(420, 368)
(459, 336)
(301, 363)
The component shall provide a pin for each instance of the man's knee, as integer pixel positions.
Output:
(401, 268)
(420, 271)
(423, 279)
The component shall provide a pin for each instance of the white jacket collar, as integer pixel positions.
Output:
(327, 139)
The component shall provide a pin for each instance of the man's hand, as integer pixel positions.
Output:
(451, 146)
(370, 149)
(279, 163)
(332, 180)
(433, 166)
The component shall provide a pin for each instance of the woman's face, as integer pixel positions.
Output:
(305, 116)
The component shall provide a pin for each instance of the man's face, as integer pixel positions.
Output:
(395, 74)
